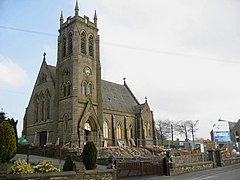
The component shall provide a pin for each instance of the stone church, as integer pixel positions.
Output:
(70, 103)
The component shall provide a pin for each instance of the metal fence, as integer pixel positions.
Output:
(137, 168)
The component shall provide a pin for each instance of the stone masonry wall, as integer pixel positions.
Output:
(185, 168)
(108, 174)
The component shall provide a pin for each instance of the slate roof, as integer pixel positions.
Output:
(52, 70)
(118, 97)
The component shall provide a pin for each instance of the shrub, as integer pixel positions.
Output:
(68, 165)
(89, 155)
(21, 167)
(45, 166)
(7, 142)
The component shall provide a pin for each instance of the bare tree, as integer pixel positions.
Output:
(165, 129)
(181, 128)
(186, 127)
(193, 128)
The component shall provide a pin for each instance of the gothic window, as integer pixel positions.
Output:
(64, 90)
(66, 72)
(36, 104)
(47, 104)
(84, 88)
(119, 131)
(145, 129)
(41, 107)
(70, 42)
(149, 129)
(64, 50)
(130, 131)
(48, 108)
(89, 89)
(105, 129)
(83, 43)
(90, 46)
(68, 88)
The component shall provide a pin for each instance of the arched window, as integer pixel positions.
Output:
(64, 90)
(70, 43)
(119, 131)
(130, 131)
(90, 46)
(105, 129)
(68, 88)
(83, 43)
(64, 50)
(47, 105)
(89, 89)
(84, 88)
(48, 108)
(41, 97)
(36, 104)
(145, 129)
(149, 129)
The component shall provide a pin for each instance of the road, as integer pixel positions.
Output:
(231, 172)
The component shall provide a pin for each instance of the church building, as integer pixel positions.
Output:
(70, 103)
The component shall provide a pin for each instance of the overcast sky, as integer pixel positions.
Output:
(183, 55)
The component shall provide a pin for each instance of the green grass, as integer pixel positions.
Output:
(9, 165)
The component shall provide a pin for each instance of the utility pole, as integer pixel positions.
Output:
(172, 132)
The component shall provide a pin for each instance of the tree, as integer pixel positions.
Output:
(68, 164)
(193, 128)
(186, 127)
(3, 118)
(165, 129)
(7, 142)
(89, 155)
(181, 128)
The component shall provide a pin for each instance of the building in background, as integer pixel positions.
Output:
(70, 103)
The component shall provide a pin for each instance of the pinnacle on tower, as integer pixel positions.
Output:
(61, 18)
(44, 56)
(95, 18)
(76, 8)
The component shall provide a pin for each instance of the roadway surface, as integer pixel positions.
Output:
(231, 172)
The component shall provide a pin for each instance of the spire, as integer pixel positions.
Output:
(95, 17)
(61, 19)
(76, 8)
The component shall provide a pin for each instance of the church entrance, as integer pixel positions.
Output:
(87, 132)
(42, 138)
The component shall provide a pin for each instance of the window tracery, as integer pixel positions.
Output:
(64, 46)
(90, 46)
(70, 46)
(83, 42)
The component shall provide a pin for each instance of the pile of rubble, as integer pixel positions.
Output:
(124, 152)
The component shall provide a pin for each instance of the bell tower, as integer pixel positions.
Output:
(78, 75)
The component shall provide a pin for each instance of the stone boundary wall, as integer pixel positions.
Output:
(108, 174)
(229, 161)
(191, 167)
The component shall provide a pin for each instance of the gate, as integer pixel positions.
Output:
(136, 168)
